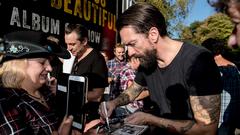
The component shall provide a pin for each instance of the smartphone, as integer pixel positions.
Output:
(61, 95)
(76, 99)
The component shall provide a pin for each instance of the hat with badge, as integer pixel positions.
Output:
(30, 44)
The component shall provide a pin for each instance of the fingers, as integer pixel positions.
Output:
(105, 113)
(54, 133)
(129, 119)
(101, 111)
(135, 118)
(52, 81)
(66, 125)
(52, 84)
(102, 120)
(76, 132)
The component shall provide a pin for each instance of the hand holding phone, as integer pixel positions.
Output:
(52, 83)
(76, 99)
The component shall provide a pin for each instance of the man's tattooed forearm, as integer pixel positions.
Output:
(130, 94)
(123, 99)
(187, 127)
(175, 126)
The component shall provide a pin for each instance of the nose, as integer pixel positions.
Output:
(131, 51)
(69, 47)
(48, 66)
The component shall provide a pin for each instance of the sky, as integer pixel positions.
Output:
(199, 12)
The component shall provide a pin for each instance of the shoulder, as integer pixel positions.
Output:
(10, 100)
(7, 94)
(190, 54)
(229, 71)
(111, 61)
(193, 50)
(95, 53)
(96, 56)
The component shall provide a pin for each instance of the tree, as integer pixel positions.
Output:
(174, 11)
(189, 32)
(217, 26)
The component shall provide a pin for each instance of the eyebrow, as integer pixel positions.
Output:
(130, 43)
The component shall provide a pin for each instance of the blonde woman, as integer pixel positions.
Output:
(26, 93)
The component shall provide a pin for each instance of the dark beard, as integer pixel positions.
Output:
(148, 62)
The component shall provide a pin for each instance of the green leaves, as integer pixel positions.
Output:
(174, 11)
(218, 26)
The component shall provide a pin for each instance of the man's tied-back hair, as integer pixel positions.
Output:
(143, 16)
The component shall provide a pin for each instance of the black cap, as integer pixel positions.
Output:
(30, 44)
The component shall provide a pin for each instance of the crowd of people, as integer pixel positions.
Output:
(194, 88)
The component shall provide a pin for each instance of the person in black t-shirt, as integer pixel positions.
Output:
(183, 79)
(89, 63)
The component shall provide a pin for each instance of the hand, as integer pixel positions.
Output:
(52, 84)
(138, 118)
(110, 79)
(65, 127)
(110, 106)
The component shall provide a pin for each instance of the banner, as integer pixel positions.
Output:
(51, 16)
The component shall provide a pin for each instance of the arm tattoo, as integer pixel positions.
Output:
(122, 99)
(183, 126)
(206, 108)
(129, 95)
(187, 127)
(134, 90)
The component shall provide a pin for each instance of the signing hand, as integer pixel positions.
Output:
(110, 106)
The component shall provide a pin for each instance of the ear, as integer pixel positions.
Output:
(153, 34)
(84, 42)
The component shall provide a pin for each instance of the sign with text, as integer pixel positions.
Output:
(51, 16)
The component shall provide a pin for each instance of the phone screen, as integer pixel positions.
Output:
(76, 101)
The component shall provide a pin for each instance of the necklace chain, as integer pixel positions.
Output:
(41, 99)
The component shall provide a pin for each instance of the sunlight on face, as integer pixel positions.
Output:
(37, 70)
(139, 46)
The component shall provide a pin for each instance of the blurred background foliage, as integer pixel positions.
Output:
(174, 11)
(217, 26)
